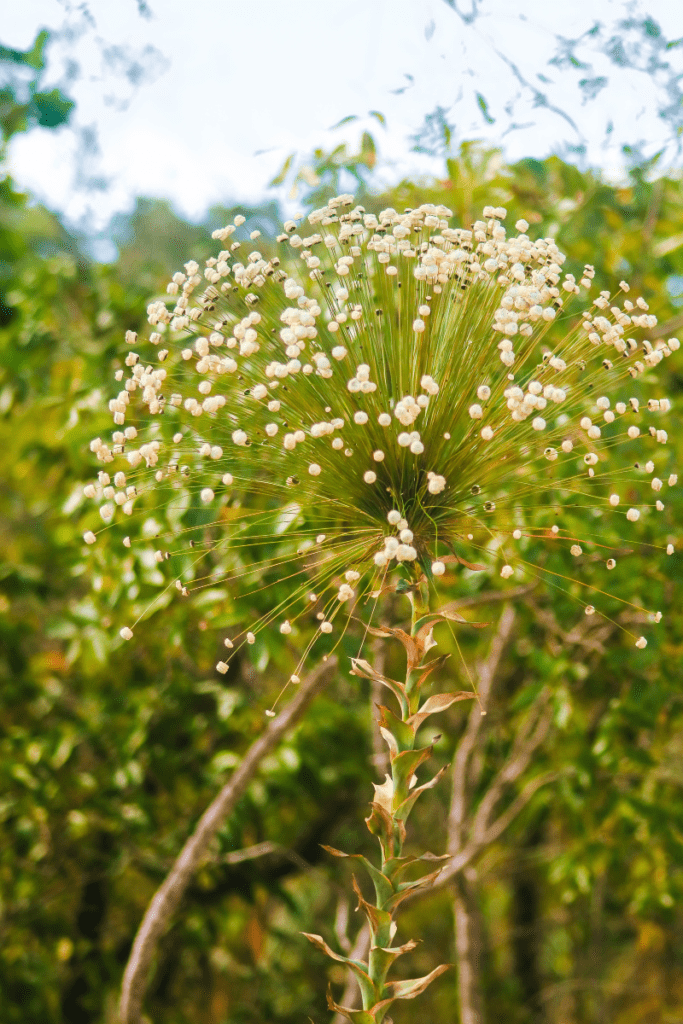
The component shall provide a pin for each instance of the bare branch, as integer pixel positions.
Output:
(262, 850)
(489, 597)
(486, 674)
(518, 804)
(165, 901)
(525, 745)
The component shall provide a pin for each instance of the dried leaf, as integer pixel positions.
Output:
(436, 703)
(379, 920)
(358, 1016)
(357, 966)
(365, 670)
(402, 812)
(380, 958)
(415, 986)
(413, 647)
(408, 888)
(384, 794)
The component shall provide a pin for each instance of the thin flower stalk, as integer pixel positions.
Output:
(392, 804)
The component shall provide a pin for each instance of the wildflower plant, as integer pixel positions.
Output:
(387, 400)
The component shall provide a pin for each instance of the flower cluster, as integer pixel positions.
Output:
(388, 390)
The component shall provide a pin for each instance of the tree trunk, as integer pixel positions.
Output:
(527, 918)
(468, 947)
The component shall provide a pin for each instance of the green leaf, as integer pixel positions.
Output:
(484, 107)
(380, 960)
(402, 733)
(345, 120)
(283, 172)
(383, 886)
(404, 767)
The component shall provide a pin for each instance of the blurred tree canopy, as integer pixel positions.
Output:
(109, 756)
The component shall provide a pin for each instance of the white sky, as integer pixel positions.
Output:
(222, 81)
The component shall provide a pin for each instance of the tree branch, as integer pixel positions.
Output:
(167, 898)
(486, 674)
(262, 850)
(526, 744)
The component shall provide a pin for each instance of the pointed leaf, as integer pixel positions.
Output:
(402, 812)
(412, 646)
(358, 1016)
(379, 920)
(415, 986)
(390, 741)
(397, 865)
(383, 887)
(429, 668)
(404, 767)
(407, 888)
(345, 120)
(357, 966)
(283, 172)
(403, 733)
(380, 959)
(384, 794)
(364, 668)
(438, 702)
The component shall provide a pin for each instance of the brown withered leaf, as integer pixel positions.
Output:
(415, 986)
(438, 702)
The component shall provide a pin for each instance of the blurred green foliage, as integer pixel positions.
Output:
(109, 755)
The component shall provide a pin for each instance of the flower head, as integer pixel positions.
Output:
(388, 392)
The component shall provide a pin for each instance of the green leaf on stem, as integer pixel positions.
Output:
(383, 886)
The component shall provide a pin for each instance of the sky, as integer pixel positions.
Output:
(201, 103)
